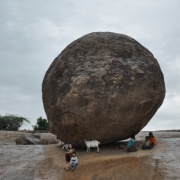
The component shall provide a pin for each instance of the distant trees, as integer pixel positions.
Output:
(42, 124)
(11, 122)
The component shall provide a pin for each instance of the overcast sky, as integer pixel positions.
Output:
(34, 32)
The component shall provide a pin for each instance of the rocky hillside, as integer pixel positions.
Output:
(29, 162)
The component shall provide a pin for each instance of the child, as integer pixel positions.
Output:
(73, 162)
(131, 147)
(147, 144)
(152, 139)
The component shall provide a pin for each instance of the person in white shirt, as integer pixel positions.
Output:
(147, 144)
(73, 162)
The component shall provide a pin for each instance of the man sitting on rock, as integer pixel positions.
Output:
(132, 147)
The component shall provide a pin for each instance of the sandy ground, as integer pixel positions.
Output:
(38, 162)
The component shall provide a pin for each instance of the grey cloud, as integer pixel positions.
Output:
(33, 33)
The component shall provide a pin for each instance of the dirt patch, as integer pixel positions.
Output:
(116, 168)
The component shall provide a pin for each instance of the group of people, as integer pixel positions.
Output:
(149, 143)
(71, 158)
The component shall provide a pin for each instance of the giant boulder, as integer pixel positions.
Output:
(103, 86)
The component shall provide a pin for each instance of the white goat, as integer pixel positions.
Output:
(93, 143)
(65, 146)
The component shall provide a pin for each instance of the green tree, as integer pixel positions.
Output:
(11, 122)
(42, 124)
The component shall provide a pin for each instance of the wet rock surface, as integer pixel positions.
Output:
(103, 86)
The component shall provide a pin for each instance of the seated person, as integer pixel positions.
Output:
(152, 139)
(147, 144)
(131, 147)
(69, 153)
(73, 162)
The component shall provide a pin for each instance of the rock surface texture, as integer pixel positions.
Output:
(104, 86)
(28, 139)
(35, 139)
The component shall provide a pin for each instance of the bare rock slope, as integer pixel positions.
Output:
(102, 82)
(24, 138)
(46, 162)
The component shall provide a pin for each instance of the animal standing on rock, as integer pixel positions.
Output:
(103, 86)
(93, 144)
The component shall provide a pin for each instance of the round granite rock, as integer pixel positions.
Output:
(103, 86)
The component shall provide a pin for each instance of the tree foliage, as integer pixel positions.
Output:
(11, 122)
(42, 124)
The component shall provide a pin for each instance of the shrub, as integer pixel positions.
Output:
(11, 122)
(42, 124)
